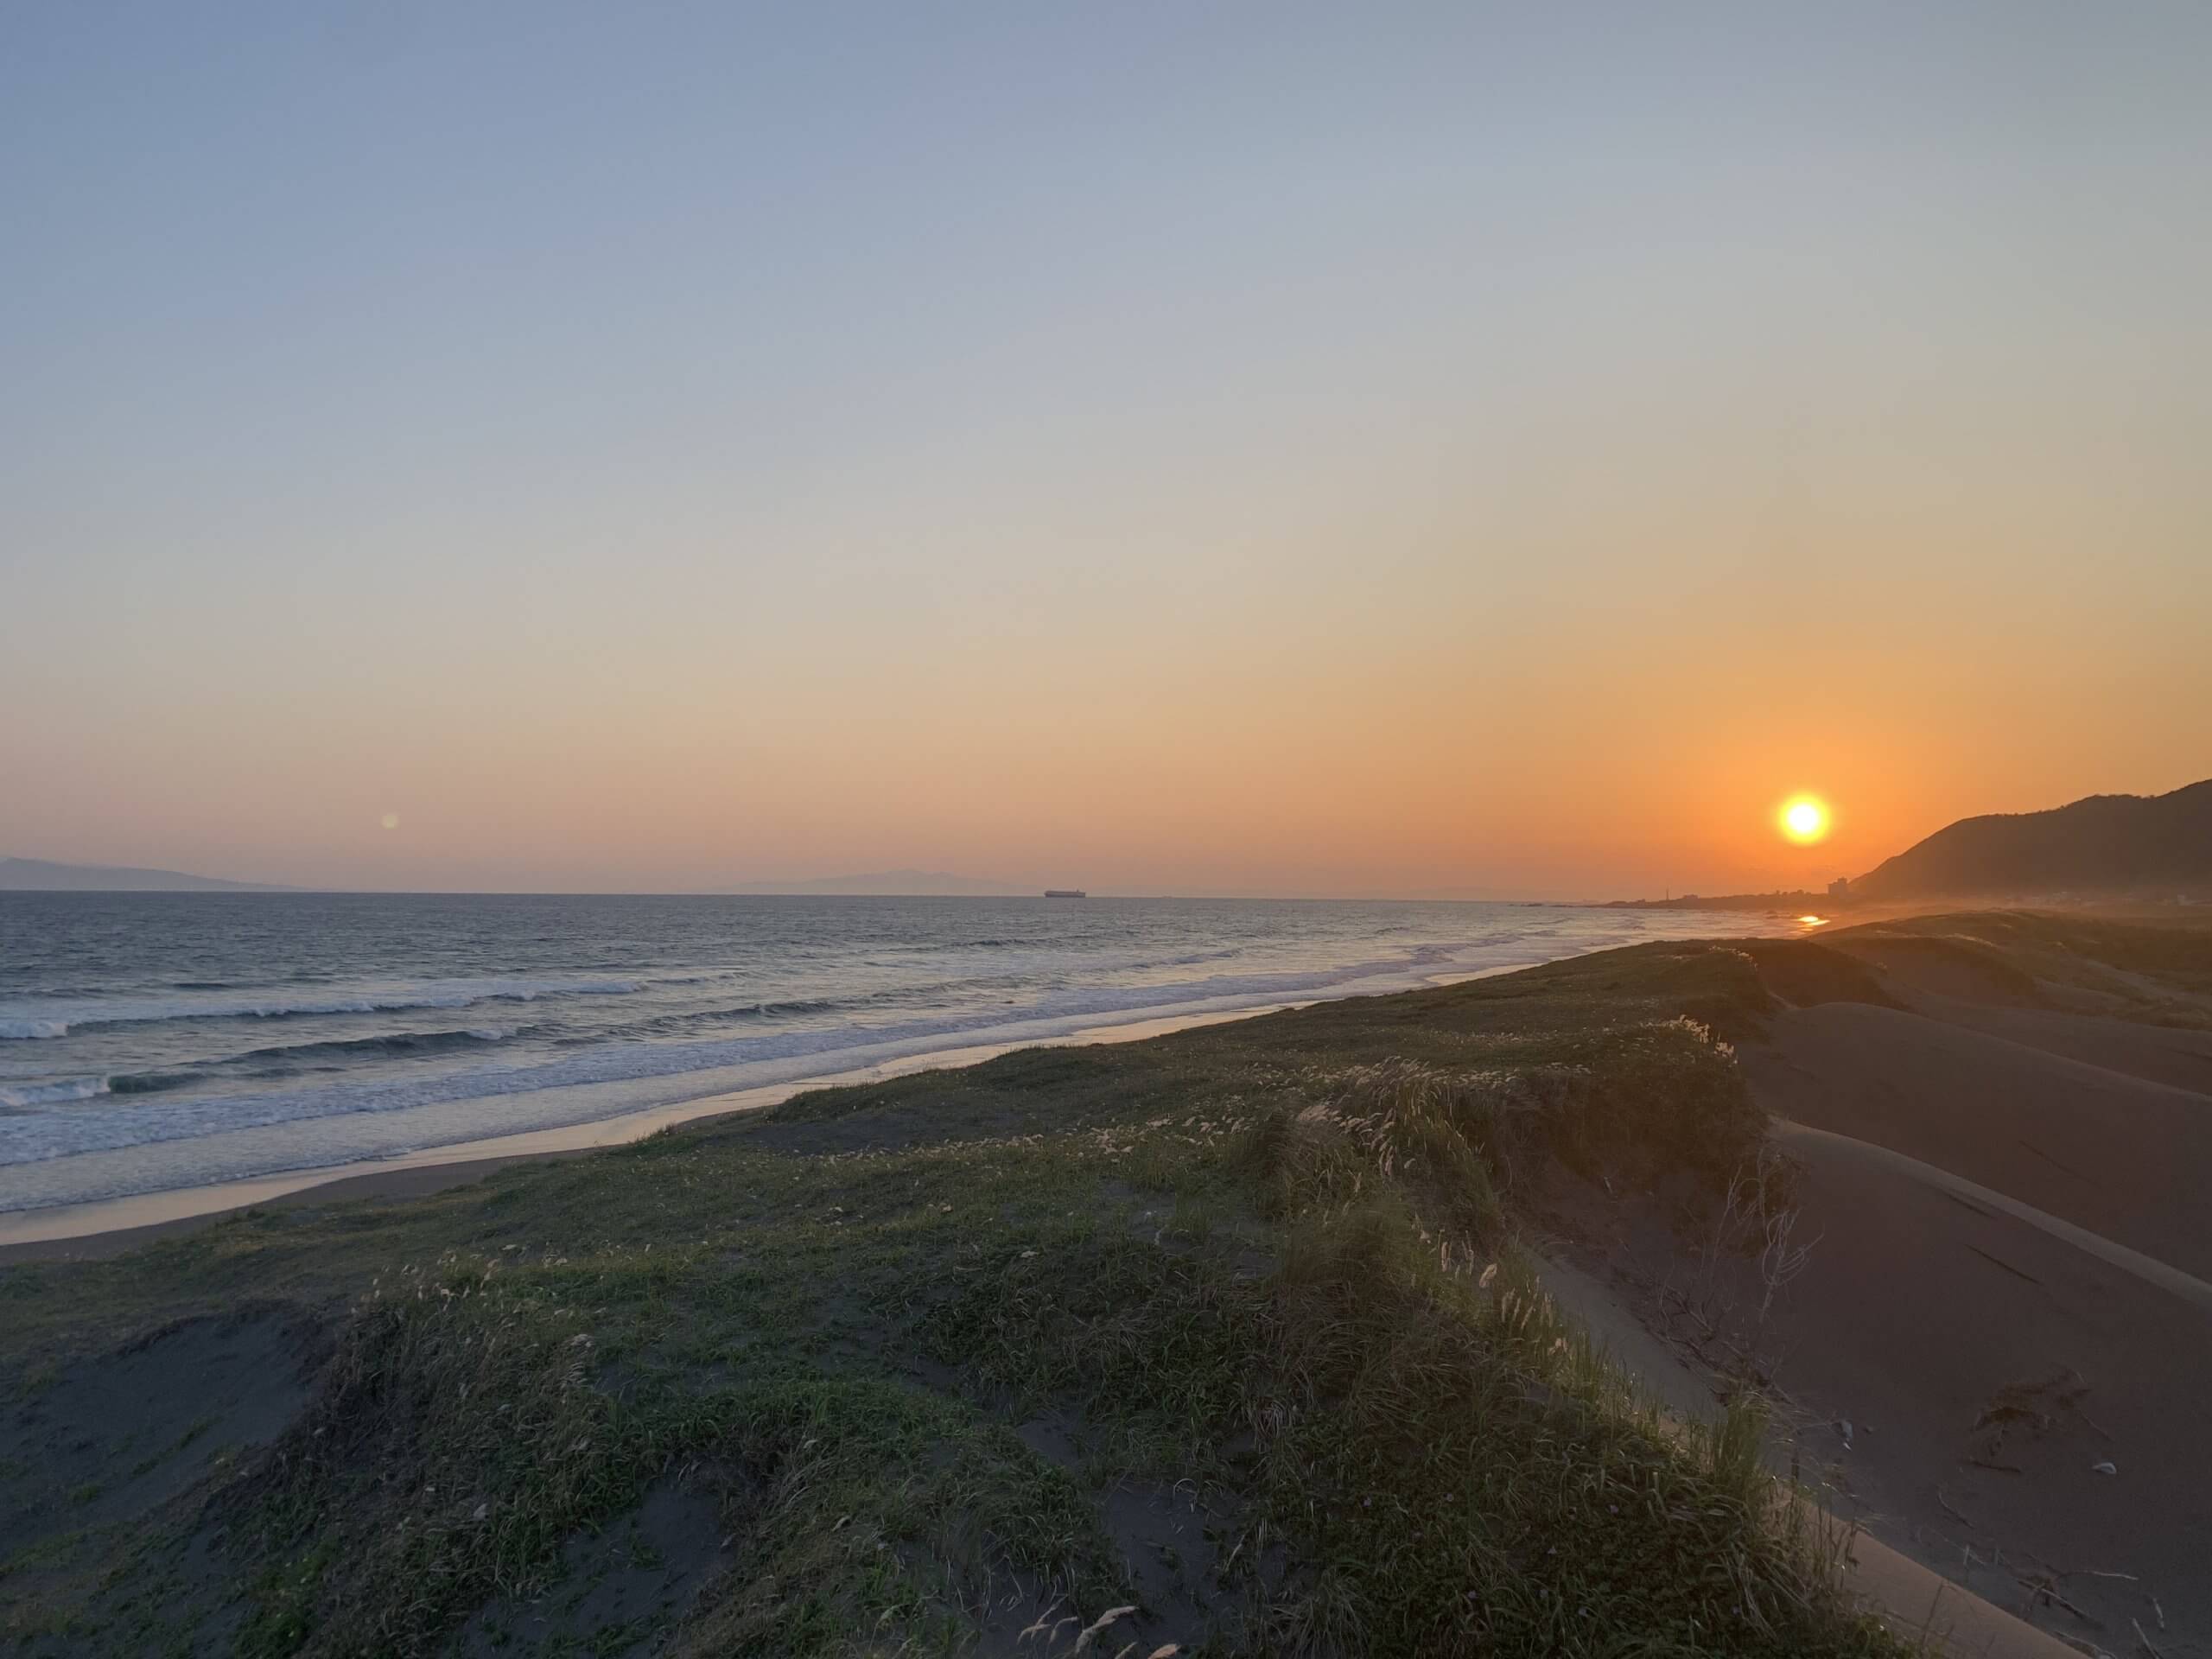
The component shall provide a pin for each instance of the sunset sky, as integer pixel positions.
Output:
(1190, 448)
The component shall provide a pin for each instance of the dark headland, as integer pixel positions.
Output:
(2153, 847)
(43, 875)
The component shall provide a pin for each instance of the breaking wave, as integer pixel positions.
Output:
(18, 1097)
(396, 1043)
(58, 1020)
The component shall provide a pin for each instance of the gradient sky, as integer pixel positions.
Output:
(1176, 448)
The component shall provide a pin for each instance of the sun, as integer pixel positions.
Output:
(1804, 819)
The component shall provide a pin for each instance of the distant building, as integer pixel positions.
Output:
(1840, 887)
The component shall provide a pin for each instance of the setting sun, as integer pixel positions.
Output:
(1804, 819)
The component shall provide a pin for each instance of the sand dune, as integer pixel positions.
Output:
(2118, 1154)
(1808, 1146)
(2179, 1057)
(1988, 1366)
(1982, 995)
(2008, 1296)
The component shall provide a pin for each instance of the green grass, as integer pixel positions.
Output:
(905, 1343)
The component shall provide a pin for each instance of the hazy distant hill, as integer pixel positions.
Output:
(1794, 899)
(40, 875)
(2105, 844)
(891, 884)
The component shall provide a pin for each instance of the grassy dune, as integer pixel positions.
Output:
(2154, 969)
(1217, 1342)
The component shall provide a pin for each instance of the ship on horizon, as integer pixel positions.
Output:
(1066, 893)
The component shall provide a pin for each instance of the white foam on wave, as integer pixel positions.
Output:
(21, 1095)
(56, 1019)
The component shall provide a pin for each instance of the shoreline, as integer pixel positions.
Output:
(107, 1227)
(99, 1228)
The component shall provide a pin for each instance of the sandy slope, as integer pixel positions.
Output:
(1986, 994)
(1916, 1601)
(2180, 1059)
(1987, 1367)
(2009, 1202)
(1989, 1347)
(2110, 1152)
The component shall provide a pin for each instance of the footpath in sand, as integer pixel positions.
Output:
(1990, 1341)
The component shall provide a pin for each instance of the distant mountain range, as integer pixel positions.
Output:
(40, 875)
(43, 875)
(1795, 898)
(2103, 844)
(891, 884)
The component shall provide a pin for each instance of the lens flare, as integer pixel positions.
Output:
(1804, 819)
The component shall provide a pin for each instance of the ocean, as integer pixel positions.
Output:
(158, 1040)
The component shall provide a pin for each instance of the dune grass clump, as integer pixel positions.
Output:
(1490, 1505)
(1427, 1415)
(1642, 1100)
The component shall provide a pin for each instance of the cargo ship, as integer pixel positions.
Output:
(1066, 893)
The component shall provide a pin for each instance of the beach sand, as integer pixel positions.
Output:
(1993, 1354)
